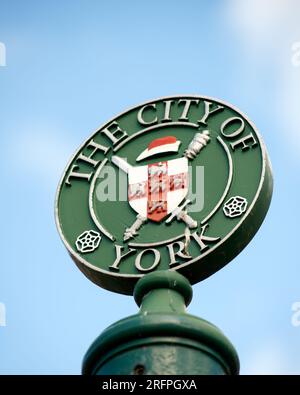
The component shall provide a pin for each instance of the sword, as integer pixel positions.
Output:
(179, 212)
(121, 163)
(132, 231)
(181, 215)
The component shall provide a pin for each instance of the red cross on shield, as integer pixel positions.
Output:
(155, 190)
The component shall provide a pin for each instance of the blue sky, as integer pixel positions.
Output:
(72, 65)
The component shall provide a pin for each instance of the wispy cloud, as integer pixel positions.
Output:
(262, 24)
(267, 30)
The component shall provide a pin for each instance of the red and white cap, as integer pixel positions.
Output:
(159, 146)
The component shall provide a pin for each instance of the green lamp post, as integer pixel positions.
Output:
(159, 198)
(162, 338)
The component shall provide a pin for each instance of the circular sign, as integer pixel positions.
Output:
(179, 183)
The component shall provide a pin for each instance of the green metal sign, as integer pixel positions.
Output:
(179, 183)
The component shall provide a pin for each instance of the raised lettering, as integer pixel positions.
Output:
(114, 130)
(76, 174)
(119, 256)
(139, 259)
(166, 117)
(140, 115)
(232, 121)
(186, 108)
(208, 111)
(201, 239)
(180, 252)
(89, 158)
(244, 142)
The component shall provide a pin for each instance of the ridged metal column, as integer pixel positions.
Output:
(162, 339)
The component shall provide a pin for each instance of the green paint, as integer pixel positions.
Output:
(162, 338)
(251, 179)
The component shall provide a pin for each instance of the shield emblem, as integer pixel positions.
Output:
(155, 190)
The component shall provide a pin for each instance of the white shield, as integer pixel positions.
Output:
(155, 190)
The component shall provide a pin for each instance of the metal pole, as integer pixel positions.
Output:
(162, 339)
